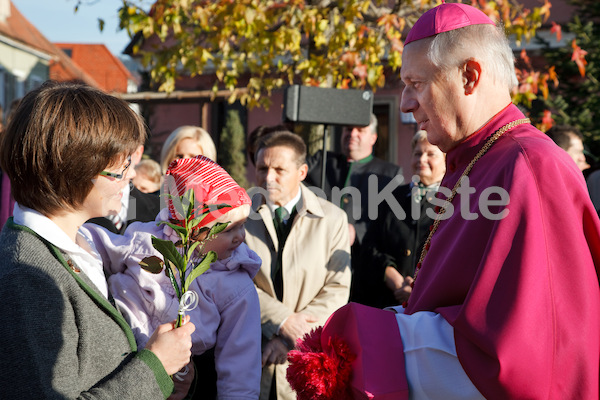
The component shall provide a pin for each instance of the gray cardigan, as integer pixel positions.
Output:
(60, 338)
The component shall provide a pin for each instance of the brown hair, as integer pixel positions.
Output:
(61, 136)
(258, 132)
(562, 134)
(284, 138)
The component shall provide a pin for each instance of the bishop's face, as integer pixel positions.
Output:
(433, 96)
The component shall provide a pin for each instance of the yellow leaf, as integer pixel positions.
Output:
(323, 25)
(250, 15)
(320, 40)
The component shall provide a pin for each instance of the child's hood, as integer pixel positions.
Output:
(241, 258)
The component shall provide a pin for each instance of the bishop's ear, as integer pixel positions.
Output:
(471, 75)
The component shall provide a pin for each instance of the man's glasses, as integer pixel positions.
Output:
(118, 176)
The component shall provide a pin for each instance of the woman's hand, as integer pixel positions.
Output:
(403, 292)
(172, 346)
(398, 284)
(393, 279)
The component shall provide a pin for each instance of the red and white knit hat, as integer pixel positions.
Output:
(211, 183)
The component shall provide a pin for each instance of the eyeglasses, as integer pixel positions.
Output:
(118, 176)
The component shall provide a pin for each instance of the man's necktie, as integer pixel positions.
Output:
(281, 215)
(283, 224)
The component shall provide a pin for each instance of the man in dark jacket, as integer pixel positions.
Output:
(348, 175)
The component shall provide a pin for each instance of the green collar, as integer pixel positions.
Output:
(364, 160)
(347, 180)
(99, 299)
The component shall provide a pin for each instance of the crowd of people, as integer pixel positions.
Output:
(478, 278)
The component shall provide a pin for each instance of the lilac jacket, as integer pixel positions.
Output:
(227, 316)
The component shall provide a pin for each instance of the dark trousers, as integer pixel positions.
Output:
(206, 376)
(273, 392)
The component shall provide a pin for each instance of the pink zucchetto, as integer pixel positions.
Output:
(446, 17)
(211, 183)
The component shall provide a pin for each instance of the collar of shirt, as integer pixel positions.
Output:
(434, 186)
(362, 160)
(89, 262)
(125, 202)
(289, 206)
(423, 190)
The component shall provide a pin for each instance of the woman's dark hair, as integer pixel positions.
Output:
(61, 136)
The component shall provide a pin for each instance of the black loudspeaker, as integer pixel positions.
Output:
(316, 105)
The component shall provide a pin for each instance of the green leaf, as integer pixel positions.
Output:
(169, 252)
(152, 264)
(214, 207)
(179, 229)
(189, 196)
(206, 209)
(177, 204)
(192, 248)
(201, 268)
(170, 272)
(194, 222)
(218, 228)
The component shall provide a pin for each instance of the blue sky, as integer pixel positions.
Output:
(57, 20)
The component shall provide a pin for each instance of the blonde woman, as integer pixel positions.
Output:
(186, 142)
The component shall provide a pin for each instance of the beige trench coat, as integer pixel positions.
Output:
(316, 269)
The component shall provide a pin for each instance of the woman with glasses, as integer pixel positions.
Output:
(67, 153)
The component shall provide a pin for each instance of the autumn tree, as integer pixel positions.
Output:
(231, 154)
(262, 45)
(575, 100)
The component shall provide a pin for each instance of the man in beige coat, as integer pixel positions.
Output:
(304, 280)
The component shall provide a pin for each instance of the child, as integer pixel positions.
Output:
(148, 176)
(227, 317)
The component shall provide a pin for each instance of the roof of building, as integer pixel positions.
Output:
(16, 27)
(106, 69)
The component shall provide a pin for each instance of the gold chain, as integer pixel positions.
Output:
(465, 173)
